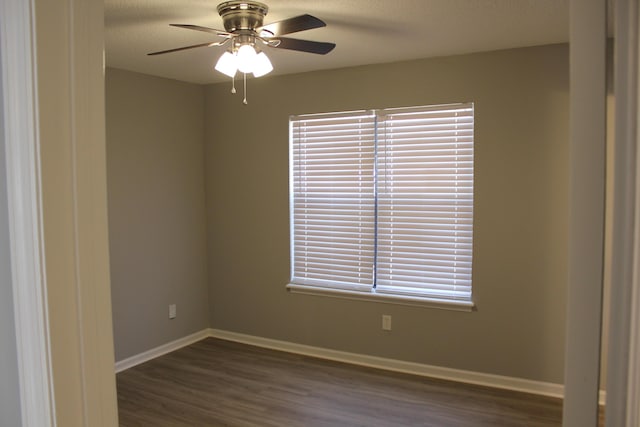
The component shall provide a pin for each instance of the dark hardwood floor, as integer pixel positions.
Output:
(222, 383)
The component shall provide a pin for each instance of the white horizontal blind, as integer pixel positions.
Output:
(332, 190)
(425, 202)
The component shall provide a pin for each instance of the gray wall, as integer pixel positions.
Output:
(9, 384)
(156, 196)
(520, 225)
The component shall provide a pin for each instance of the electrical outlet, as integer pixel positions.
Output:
(172, 311)
(386, 322)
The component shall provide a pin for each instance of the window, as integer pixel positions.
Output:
(382, 204)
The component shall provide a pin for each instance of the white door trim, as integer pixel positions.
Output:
(587, 60)
(17, 36)
(623, 368)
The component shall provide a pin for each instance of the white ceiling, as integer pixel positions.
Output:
(365, 31)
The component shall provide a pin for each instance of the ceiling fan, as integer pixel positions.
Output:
(246, 35)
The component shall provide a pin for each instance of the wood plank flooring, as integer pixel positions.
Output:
(222, 383)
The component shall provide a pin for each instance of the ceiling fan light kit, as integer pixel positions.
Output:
(261, 65)
(244, 29)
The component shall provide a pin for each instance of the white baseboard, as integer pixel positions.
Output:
(458, 375)
(132, 361)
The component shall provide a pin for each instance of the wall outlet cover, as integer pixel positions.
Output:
(386, 322)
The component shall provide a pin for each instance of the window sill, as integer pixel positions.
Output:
(385, 298)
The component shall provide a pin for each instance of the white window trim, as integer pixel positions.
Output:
(372, 295)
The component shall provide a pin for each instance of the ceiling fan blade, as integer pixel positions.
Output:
(204, 29)
(321, 48)
(291, 25)
(184, 48)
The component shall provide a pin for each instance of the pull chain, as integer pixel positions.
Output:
(233, 84)
(244, 101)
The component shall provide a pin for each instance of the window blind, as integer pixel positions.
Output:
(382, 202)
(333, 200)
(425, 202)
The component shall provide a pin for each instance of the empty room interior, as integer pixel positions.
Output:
(201, 206)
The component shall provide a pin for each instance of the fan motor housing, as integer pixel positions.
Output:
(242, 15)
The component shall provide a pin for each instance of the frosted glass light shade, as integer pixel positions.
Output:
(246, 58)
(227, 64)
(261, 65)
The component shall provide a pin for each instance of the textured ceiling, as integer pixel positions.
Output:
(365, 31)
